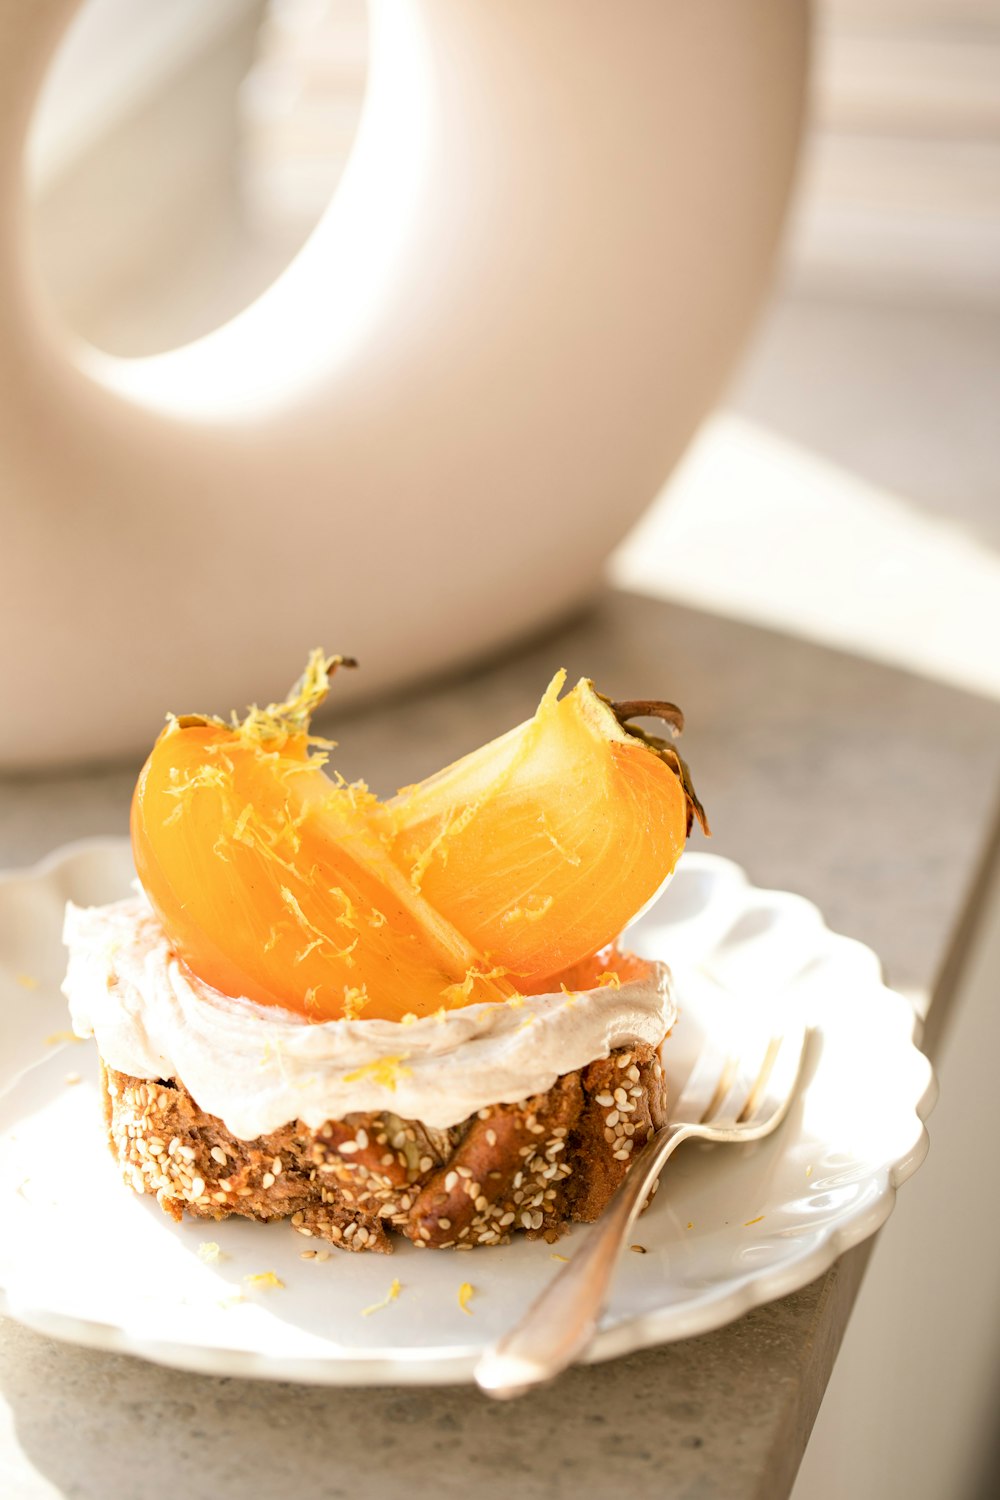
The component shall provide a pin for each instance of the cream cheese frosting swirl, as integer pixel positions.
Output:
(257, 1067)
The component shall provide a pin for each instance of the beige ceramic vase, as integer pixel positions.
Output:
(425, 438)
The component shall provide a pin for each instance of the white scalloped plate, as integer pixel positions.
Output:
(84, 1259)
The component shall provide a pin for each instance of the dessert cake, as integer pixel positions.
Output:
(369, 1018)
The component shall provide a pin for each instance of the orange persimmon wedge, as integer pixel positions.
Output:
(541, 846)
(276, 882)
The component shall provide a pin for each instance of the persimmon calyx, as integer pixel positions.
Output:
(654, 708)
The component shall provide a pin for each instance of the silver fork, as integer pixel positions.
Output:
(561, 1322)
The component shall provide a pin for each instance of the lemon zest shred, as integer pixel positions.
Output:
(209, 1251)
(528, 913)
(748, 1222)
(264, 1280)
(609, 980)
(456, 993)
(62, 1036)
(290, 900)
(349, 916)
(385, 1071)
(356, 997)
(465, 1294)
(391, 1296)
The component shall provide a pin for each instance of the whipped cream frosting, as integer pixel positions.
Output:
(258, 1067)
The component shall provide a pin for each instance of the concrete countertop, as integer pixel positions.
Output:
(864, 788)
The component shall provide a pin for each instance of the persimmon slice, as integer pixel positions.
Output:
(278, 883)
(541, 846)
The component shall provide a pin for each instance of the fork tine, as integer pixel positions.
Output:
(778, 1088)
(752, 1099)
(758, 1089)
(727, 1082)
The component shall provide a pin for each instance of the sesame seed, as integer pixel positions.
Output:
(267, 1180)
(620, 1155)
(621, 1097)
(450, 1181)
(198, 1187)
(482, 1203)
(347, 1148)
(426, 1163)
(464, 1171)
(526, 1219)
(276, 1165)
(507, 1218)
(639, 1249)
(611, 1118)
(444, 1223)
(604, 1099)
(491, 1137)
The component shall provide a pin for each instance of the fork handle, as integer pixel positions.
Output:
(562, 1320)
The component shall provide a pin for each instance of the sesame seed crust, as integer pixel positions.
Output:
(529, 1168)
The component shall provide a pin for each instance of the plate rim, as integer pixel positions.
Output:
(454, 1364)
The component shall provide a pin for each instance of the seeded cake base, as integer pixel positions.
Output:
(530, 1168)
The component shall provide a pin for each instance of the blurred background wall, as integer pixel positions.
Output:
(849, 488)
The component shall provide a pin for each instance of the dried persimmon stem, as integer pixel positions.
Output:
(650, 708)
